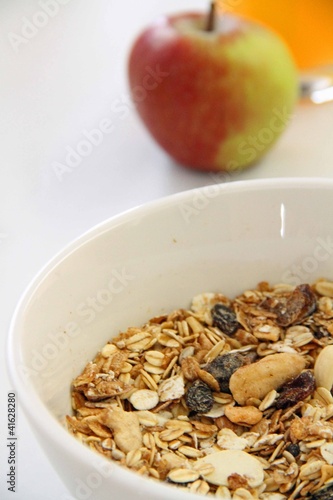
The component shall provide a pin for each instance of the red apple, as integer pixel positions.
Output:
(217, 98)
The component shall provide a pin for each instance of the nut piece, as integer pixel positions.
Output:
(229, 462)
(243, 415)
(258, 379)
(144, 399)
(126, 429)
(323, 368)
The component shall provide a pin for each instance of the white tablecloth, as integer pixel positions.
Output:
(62, 74)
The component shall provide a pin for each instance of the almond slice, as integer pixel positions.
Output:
(230, 462)
(323, 368)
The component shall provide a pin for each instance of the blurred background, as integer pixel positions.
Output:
(63, 74)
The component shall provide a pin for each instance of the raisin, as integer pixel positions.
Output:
(319, 332)
(301, 303)
(225, 319)
(294, 308)
(250, 357)
(294, 449)
(296, 390)
(325, 493)
(222, 367)
(199, 397)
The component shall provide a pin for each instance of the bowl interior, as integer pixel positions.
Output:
(154, 259)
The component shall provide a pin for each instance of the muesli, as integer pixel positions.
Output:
(230, 398)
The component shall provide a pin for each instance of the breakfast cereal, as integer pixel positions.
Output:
(229, 398)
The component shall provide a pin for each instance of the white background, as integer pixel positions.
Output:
(63, 81)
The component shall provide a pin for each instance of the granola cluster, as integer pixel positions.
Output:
(230, 398)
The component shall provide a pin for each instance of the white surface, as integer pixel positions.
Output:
(67, 79)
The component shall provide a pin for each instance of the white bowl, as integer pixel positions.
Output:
(143, 263)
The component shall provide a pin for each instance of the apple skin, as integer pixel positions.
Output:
(212, 100)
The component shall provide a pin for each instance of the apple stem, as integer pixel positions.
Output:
(211, 17)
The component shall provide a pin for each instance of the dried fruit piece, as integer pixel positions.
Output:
(223, 367)
(229, 462)
(323, 494)
(296, 390)
(291, 309)
(258, 379)
(225, 319)
(238, 484)
(293, 439)
(294, 449)
(199, 397)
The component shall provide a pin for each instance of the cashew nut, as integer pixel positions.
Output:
(259, 378)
